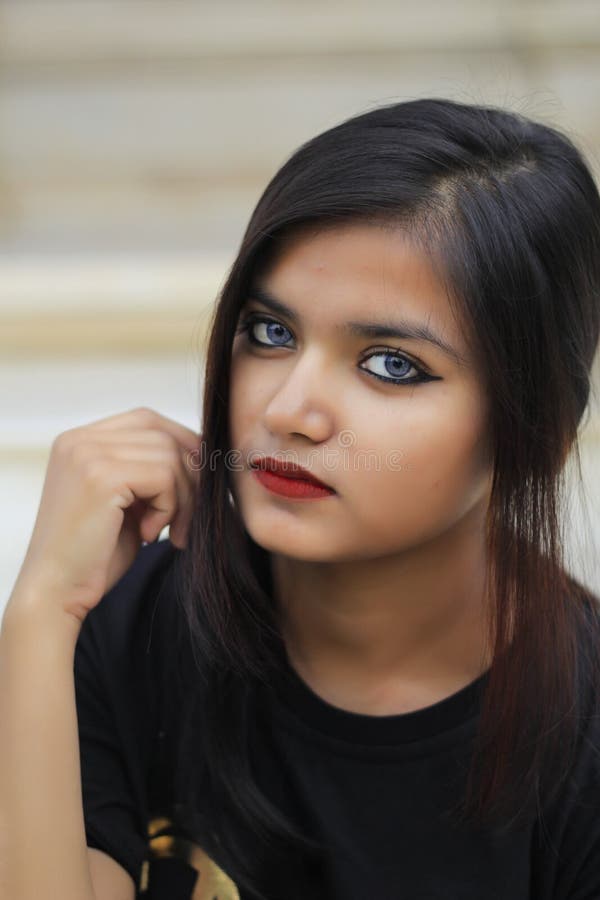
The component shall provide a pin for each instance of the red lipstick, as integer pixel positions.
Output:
(289, 479)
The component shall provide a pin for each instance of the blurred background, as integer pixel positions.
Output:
(136, 137)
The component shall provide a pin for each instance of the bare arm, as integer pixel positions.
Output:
(43, 851)
(111, 881)
(42, 837)
(109, 485)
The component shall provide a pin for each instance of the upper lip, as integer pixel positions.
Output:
(288, 470)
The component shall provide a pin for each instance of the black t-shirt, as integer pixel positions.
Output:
(375, 789)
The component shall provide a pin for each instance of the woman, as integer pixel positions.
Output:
(359, 667)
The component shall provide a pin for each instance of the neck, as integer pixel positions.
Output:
(388, 634)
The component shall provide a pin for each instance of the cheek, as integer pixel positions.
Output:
(242, 398)
(236, 412)
(424, 470)
(248, 396)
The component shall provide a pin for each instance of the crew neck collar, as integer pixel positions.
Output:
(366, 729)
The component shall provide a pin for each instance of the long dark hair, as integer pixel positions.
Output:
(510, 216)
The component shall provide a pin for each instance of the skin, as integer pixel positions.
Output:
(381, 586)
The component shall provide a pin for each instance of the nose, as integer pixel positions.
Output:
(303, 402)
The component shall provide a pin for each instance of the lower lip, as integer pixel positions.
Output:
(294, 488)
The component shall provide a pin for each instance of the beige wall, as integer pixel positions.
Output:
(135, 139)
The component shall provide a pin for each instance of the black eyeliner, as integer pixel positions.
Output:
(421, 378)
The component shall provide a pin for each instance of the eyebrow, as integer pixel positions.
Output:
(401, 328)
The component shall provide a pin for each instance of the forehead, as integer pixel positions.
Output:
(360, 271)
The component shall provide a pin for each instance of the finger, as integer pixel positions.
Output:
(144, 417)
(151, 482)
(149, 437)
(151, 445)
(185, 480)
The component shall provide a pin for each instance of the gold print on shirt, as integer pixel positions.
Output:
(212, 882)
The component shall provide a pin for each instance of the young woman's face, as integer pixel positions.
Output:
(407, 459)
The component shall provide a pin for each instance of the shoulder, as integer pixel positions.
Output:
(126, 639)
(583, 777)
(125, 608)
(118, 658)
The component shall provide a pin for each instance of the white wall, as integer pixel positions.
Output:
(133, 147)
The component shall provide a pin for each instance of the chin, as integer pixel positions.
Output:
(307, 547)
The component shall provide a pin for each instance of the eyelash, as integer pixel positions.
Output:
(254, 319)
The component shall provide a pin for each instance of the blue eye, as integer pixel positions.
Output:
(393, 363)
(398, 364)
(273, 331)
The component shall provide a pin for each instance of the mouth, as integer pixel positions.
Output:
(288, 470)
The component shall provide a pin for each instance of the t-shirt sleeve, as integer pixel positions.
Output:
(567, 858)
(577, 852)
(114, 712)
(578, 831)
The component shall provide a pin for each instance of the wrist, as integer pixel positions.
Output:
(32, 608)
